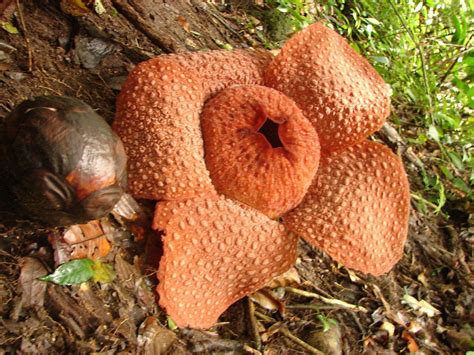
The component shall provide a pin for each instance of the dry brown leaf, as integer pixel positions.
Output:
(266, 299)
(76, 7)
(126, 272)
(32, 289)
(87, 241)
(422, 278)
(412, 346)
(82, 241)
(388, 327)
(289, 278)
(421, 307)
(7, 7)
(127, 210)
(153, 338)
(183, 23)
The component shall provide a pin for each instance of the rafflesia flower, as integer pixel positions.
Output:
(239, 171)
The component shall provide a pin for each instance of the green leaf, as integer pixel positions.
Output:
(171, 324)
(71, 273)
(382, 60)
(446, 172)
(433, 133)
(446, 121)
(327, 322)
(418, 7)
(441, 196)
(461, 185)
(421, 206)
(460, 26)
(456, 160)
(7, 26)
(373, 21)
(103, 273)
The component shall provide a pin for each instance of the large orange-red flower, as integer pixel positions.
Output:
(228, 143)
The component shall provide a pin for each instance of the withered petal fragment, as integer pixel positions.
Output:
(336, 88)
(260, 149)
(357, 208)
(158, 120)
(216, 251)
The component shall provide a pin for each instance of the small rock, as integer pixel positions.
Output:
(116, 82)
(91, 51)
(329, 341)
(63, 40)
(154, 339)
(16, 75)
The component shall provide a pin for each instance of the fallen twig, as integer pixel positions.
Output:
(253, 324)
(332, 301)
(162, 40)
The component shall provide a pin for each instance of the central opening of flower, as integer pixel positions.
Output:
(270, 131)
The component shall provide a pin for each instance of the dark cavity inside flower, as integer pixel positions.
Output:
(269, 129)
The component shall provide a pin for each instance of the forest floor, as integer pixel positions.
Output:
(423, 305)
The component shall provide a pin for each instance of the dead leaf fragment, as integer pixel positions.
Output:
(7, 7)
(32, 289)
(289, 278)
(75, 7)
(183, 23)
(127, 208)
(126, 272)
(82, 241)
(266, 299)
(412, 346)
(422, 278)
(388, 327)
(420, 306)
(153, 338)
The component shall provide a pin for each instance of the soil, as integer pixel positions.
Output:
(424, 304)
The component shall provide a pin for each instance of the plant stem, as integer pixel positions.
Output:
(448, 71)
(422, 58)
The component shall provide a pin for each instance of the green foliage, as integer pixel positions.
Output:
(423, 50)
(327, 323)
(81, 270)
(7, 26)
(71, 273)
(283, 17)
(171, 324)
(103, 273)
